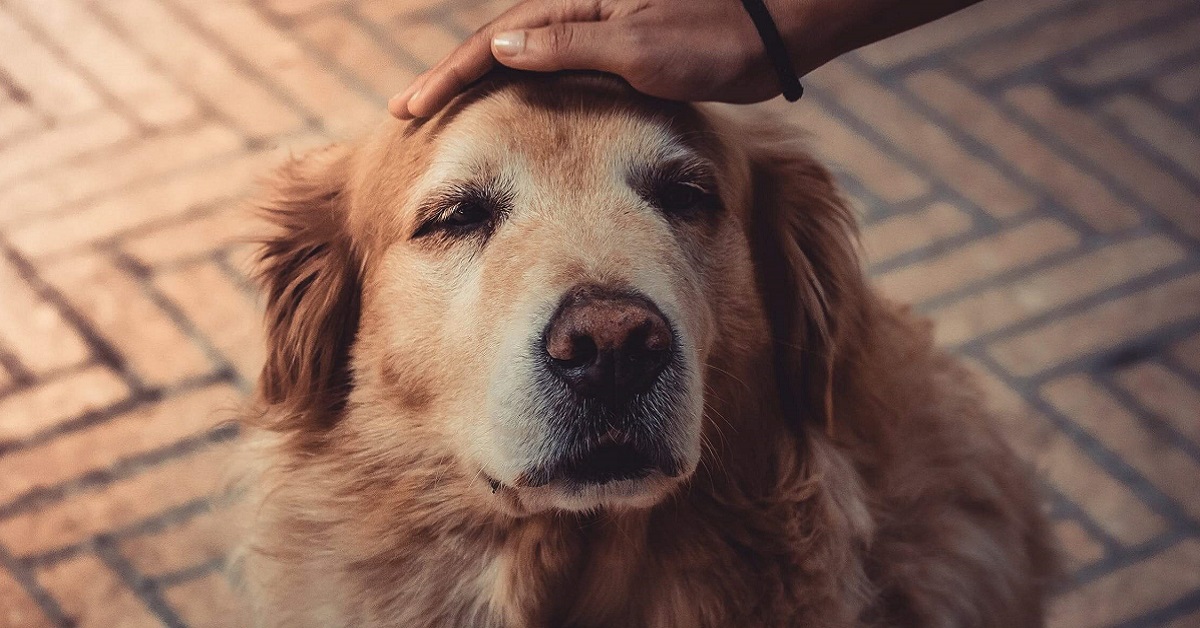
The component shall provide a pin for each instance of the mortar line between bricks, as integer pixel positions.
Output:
(241, 65)
(376, 34)
(109, 99)
(1163, 428)
(47, 376)
(101, 349)
(145, 589)
(190, 573)
(26, 580)
(1125, 557)
(124, 468)
(11, 364)
(1095, 449)
(1181, 607)
(1074, 512)
(1151, 153)
(1141, 85)
(23, 98)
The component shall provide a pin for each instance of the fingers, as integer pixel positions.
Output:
(569, 46)
(473, 58)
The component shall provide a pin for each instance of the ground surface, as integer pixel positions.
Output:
(1029, 173)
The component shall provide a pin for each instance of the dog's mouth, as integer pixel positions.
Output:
(609, 459)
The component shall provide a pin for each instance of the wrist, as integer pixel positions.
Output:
(809, 30)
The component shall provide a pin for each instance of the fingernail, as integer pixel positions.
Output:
(396, 106)
(510, 43)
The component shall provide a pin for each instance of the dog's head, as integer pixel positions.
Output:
(536, 287)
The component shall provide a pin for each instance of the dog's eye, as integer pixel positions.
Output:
(467, 214)
(461, 213)
(680, 198)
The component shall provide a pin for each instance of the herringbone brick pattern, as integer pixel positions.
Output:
(1029, 174)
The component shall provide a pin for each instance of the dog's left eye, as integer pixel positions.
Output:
(467, 214)
(675, 197)
(462, 214)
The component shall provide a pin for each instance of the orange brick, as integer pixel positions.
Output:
(1132, 591)
(848, 150)
(1168, 136)
(297, 7)
(1108, 502)
(135, 207)
(119, 309)
(277, 55)
(124, 503)
(1075, 189)
(923, 140)
(119, 68)
(115, 170)
(1132, 59)
(980, 259)
(387, 11)
(1100, 327)
(1054, 36)
(1188, 353)
(1053, 287)
(145, 429)
(209, 602)
(50, 85)
(60, 143)
(892, 236)
(197, 64)
(1080, 548)
(189, 238)
(18, 610)
(94, 597)
(359, 54)
(33, 329)
(1165, 394)
(15, 119)
(1181, 86)
(427, 42)
(1121, 432)
(30, 411)
(1144, 178)
(222, 311)
(474, 15)
(208, 536)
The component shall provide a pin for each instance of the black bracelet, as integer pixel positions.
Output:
(776, 50)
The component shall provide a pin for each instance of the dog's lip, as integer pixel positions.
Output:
(613, 457)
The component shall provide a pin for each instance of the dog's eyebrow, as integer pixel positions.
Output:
(684, 168)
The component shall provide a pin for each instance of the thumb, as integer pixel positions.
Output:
(563, 46)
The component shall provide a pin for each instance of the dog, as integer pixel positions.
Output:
(567, 355)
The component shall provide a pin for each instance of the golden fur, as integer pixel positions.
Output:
(849, 475)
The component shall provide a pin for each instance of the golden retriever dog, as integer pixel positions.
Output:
(566, 355)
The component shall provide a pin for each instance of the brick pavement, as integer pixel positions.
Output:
(1029, 174)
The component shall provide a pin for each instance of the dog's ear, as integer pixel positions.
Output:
(805, 244)
(310, 274)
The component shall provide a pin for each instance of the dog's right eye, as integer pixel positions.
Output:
(462, 213)
(468, 213)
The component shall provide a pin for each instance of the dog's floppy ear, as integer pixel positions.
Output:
(309, 271)
(805, 244)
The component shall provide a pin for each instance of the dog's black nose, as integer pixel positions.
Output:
(608, 346)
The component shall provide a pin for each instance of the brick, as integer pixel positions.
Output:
(1167, 135)
(1108, 502)
(980, 259)
(150, 342)
(114, 64)
(147, 428)
(1079, 192)
(298, 7)
(32, 410)
(33, 329)
(472, 16)
(1188, 353)
(190, 238)
(890, 237)
(51, 87)
(115, 170)
(16, 118)
(385, 12)
(880, 173)
(1181, 86)
(1145, 179)
(222, 310)
(94, 597)
(1079, 548)
(1064, 33)
(427, 42)
(1050, 288)
(1166, 394)
(980, 20)
(61, 143)
(281, 60)
(1152, 455)
(209, 602)
(1132, 59)
(1133, 590)
(19, 609)
(924, 140)
(1104, 326)
(358, 53)
(136, 207)
(206, 537)
(194, 62)
(92, 512)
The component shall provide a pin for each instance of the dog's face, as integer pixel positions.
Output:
(530, 287)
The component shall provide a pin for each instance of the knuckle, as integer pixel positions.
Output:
(559, 39)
